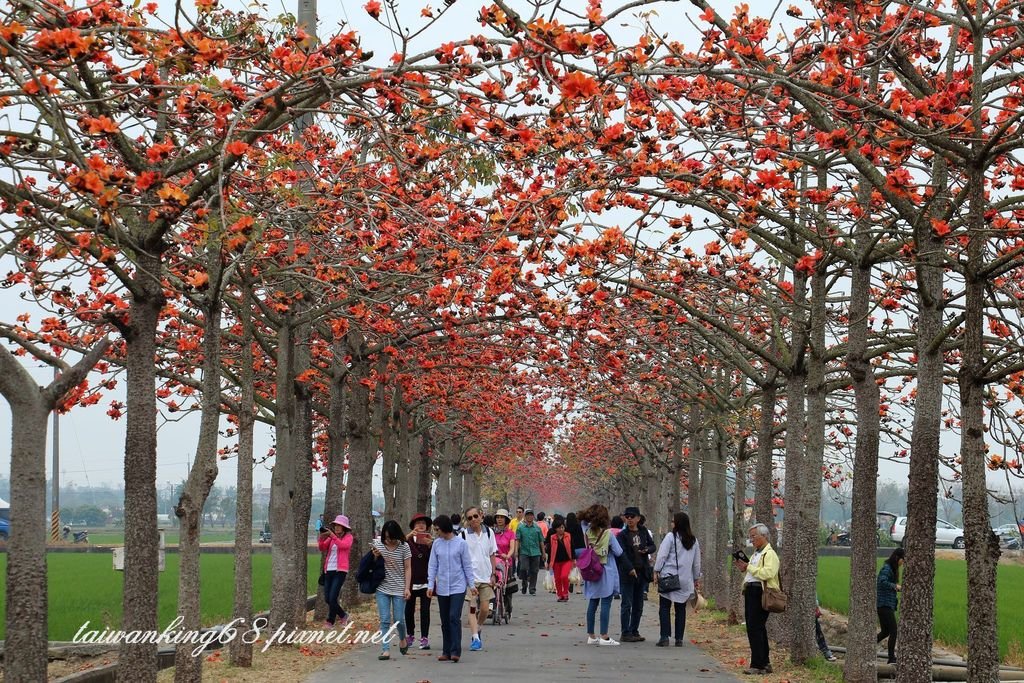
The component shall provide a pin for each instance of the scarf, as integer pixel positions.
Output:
(599, 543)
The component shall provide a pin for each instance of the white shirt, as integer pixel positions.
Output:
(482, 547)
(755, 561)
(332, 558)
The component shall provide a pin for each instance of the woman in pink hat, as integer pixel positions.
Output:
(335, 540)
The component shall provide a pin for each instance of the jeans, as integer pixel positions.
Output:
(819, 635)
(332, 591)
(632, 606)
(410, 613)
(528, 568)
(561, 571)
(757, 633)
(665, 616)
(606, 613)
(887, 619)
(450, 607)
(390, 608)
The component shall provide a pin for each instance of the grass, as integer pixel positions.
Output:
(84, 587)
(950, 614)
(116, 536)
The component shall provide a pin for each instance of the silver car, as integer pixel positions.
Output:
(945, 533)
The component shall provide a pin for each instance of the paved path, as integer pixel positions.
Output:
(545, 641)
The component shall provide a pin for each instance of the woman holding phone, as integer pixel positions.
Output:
(335, 540)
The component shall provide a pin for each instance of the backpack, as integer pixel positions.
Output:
(370, 574)
(589, 563)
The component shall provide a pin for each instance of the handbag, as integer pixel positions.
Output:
(323, 578)
(774, 600)
(589, 562)
(667, 583)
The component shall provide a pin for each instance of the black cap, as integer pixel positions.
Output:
(632, 510)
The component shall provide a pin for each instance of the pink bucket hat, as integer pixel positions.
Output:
(343, 521)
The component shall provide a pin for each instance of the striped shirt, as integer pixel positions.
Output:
(394, 567)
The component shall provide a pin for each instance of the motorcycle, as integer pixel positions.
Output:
(77, 536)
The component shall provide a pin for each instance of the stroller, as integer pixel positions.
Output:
(504, 587)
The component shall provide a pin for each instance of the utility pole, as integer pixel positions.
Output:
(55, 481)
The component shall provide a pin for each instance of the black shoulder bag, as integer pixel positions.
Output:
(667, 583)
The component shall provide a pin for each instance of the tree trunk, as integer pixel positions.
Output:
(137, 661)
(302, 444)
(693, 469)
(739, 540)
(470, 488)
(362, 456)
(189, 510)
(914, 661)
(859, 666)
(25, 650)
(424, 479)
(334, 494)
(283, 487)
(714, 552)
(240, 652)
(674, 489)
(405, 486)
(444, 487)
(25, 654)
(804, 553)
(982, 543)
(764, 510)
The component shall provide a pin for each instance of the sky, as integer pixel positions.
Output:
(92, 444)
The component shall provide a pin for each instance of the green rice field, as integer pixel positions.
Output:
(84, 587)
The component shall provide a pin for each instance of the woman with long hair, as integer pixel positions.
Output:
(395, 589)
(600, 592)
(888, 587)
(679, 556)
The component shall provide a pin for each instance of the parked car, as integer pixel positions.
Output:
(5, 528)
(945, 533)
(1005, 530)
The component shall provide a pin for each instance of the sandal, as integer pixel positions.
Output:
(403, 648)
(384, 656)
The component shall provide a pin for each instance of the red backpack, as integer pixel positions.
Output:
(589, 563)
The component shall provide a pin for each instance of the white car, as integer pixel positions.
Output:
(945, 533)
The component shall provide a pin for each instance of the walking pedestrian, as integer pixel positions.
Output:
(678, 556)
(762, 570)
(887, 588)
(483, 551)
(336, 541)
(561, 559)
(449, 577)
(514, 524)
(600, 592)
(456, 526)
(575, 531)
(636, 545)
(819, 635)
(642, 525)
(420, 541)
(395, 589)
(504, 537)
(530, 543)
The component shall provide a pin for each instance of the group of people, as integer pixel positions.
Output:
(440, 558)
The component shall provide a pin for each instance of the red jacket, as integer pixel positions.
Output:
(344, 545)
(566, 543)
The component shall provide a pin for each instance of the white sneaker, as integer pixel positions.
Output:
(593, 641)
(607, 641)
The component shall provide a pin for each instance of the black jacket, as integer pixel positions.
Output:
(635, 555)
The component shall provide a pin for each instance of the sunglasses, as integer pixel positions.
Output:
(473, 517)
(629, 516)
